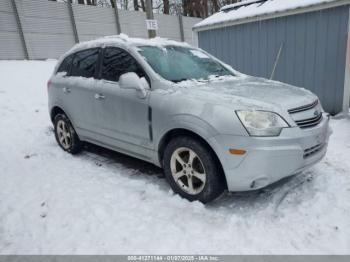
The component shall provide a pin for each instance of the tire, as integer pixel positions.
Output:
(203, 171)
(65, 135)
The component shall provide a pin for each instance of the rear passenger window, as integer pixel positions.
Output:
(117, 62)
(85, 63)
(65, 65)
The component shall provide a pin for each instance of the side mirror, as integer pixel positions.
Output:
(132, 81)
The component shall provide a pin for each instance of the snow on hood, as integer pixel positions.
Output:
(254, 8)
(247, 91)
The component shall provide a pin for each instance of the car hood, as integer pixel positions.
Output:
(248, 92)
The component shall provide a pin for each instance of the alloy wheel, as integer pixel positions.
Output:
(64, 135)
(188, 170)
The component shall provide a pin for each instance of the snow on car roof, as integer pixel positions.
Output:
(256, 8)
(121, 40)
(124, 40)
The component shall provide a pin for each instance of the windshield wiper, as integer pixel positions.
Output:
(179, 80)
(218, 76)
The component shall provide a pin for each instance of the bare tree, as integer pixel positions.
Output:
(203, 8)
(194, 8)
(136, 5)
(143, 5)
(166, 7)
(215, 5)
(124, 4)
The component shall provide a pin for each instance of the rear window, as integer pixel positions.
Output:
(85, 63)
(65, 65)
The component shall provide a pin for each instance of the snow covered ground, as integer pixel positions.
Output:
(106, 203)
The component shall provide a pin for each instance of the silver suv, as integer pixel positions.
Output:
(208, 126)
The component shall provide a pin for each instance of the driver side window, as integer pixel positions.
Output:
(117, 62)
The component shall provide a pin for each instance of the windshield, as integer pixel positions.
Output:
(178, 64)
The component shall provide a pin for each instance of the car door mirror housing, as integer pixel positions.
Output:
(132, 81)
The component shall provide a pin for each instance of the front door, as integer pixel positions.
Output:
(122, 116)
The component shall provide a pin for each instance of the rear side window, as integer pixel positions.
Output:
(85, 63)
(65, 65)
(117, 62)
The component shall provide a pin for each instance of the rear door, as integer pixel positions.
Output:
(60, 82)
(79, 91)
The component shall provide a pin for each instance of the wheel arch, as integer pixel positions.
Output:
(176, 132)
(55, 111)
(58, 110)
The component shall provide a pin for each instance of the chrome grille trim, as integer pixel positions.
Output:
(313, 150)
(303, 108)
(310, 122)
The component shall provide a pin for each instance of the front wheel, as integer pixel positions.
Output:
(192, 170)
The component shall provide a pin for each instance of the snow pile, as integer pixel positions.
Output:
(99, 202)
(255, 8)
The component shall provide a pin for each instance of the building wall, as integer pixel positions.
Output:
(48, 30)
(313, 48)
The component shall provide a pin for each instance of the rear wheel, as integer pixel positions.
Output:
(192, 170)
(65, 134)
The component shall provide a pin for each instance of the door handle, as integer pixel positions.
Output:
(66, 90)
(99, 96)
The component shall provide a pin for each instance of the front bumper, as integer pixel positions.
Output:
(269, 159)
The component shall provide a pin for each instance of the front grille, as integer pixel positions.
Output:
(310, 122)
(312, 115)
(312, 150)
(303, 108)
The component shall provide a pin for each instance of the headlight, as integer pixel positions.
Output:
(262, 123)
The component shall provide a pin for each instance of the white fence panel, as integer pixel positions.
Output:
(10, 40)
(133, 23)
(191, 37)
(168, 26)
(93, 22)
(48, 29)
